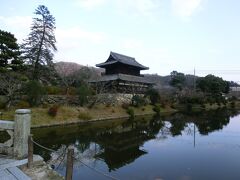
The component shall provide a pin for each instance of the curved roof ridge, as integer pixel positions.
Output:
(114, 54)
(122, 59)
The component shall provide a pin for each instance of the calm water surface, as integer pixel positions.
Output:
(182, 147)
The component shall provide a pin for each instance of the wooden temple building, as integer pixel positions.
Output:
(122, 75)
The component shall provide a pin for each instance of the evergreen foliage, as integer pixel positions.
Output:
(131, 113)
(157, 109)
(138, 101)
(34, 91)
(153, 95)
(38, 48)
(83, 92)
(213, 85)
(177, 79)
(9, 51)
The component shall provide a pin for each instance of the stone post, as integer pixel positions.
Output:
(22, 125)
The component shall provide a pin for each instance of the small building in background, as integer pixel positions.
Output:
(234, 92)
(234, 89)
(122, 75)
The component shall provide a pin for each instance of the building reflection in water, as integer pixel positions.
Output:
(119, 143)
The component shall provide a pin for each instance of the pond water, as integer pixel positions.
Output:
(182, 147)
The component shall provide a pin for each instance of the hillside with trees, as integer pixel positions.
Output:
(29, 77)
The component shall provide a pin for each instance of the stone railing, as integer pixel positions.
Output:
(18, 130)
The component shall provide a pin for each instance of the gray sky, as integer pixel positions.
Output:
(165, 35)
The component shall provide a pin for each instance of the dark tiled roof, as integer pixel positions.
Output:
(123, 77)
(115, 57)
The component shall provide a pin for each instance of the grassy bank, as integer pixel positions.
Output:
(73, 114)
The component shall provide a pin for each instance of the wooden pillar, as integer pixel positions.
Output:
(69, 168)
(30, 151)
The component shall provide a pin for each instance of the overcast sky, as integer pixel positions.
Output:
(164, 35)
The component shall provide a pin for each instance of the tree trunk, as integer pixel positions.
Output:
(9, 102)
(36, 66)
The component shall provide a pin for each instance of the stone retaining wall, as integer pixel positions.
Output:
(114, 99)
(107, 99)
(60, 99)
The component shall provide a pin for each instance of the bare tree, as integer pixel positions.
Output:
(64, 70)
(10, 85)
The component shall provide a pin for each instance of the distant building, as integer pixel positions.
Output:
(122, 75)
(235, 89)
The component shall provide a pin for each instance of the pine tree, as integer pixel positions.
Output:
(9, 50)
(38, 48)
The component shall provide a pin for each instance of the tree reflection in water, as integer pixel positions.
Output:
(119, 143)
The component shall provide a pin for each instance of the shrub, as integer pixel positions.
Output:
(90, 105)
(138, 101)
(194, 99)
(23, 104)
(189, 107)
(131, 112)
(157, 108)
(224, 103)
(72, 91)
(172, 106)
(203, 106)
(233, 105)
(163, 104)
(84, 116)
(108, 105)
(34, 91)
(211, 100)
(2, 105)
(233, 98)
(143, 109)
(53, 90)
(153, 95)
(125, 105)
(52, 111)
(83, 92)
(45, 105)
